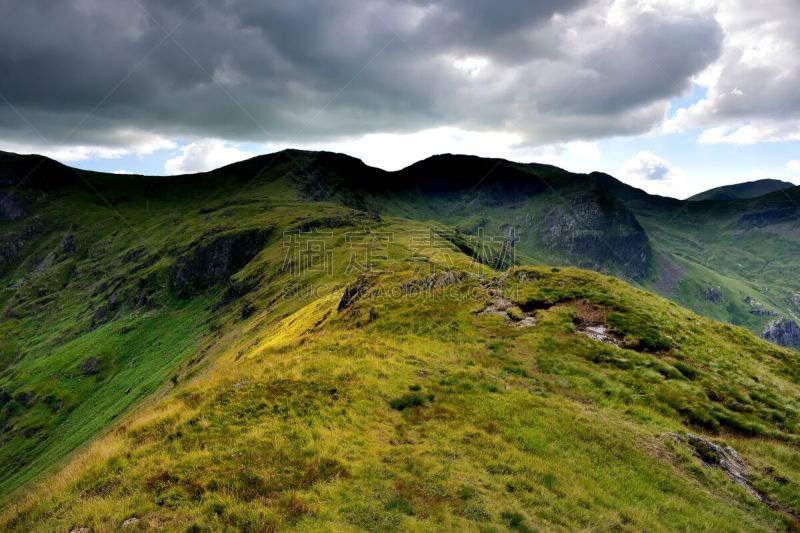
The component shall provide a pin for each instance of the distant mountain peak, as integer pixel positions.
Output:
(741, 191)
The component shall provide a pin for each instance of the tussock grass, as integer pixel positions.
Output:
(333, 427)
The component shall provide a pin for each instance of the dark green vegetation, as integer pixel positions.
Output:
(395, 371)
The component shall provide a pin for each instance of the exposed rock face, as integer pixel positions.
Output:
(141, 295)
(782, 331)
(436, 280)
(506, 309)
(354, 218)
(210, 261)
(11, 208)
(599, 233)
(353, 292)
(720, 456)
(763, 312)
(774, 213)
(11, 245)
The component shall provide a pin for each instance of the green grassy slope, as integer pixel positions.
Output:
(413, 411)
(729, 260)
(237, 381)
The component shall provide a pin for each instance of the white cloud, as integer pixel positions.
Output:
(646, 166)
(119, 144)
(205, 154)
(656, 175)
(762, 131)
(471, 66)
(752, 92)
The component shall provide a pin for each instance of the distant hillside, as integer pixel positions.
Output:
(739, 191)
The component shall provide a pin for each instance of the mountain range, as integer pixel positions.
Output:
(301, 340)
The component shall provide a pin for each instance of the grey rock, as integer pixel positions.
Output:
(437, 280)
(525, 276)
(353, 292)
(214, 259)
(783, 332)
(598, 233)
(720, 456)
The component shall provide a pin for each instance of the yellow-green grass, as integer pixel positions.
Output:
(297, 423)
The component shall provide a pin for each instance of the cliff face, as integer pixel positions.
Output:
(598, 233)
(783, 331)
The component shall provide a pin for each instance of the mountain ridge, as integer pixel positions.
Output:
(285, 344)
(589, 220)
(744, 190)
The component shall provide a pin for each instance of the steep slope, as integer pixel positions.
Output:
(741, 191)
(121, 293)
(398, 403)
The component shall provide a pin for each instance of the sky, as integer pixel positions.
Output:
(671, 96)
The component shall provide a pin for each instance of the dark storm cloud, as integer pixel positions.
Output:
(300, 69)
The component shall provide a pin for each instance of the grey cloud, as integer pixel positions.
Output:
(306, 69)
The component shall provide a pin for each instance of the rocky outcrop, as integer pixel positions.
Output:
(351, 219)
(11, 207)
(353, 292)
(713, 294)
(140, 295)
(212, 260)
(506, 309)
(774, 213)
(597, 232)
(720, 456)
(783, 332)
(437, 280)
(11, 245)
